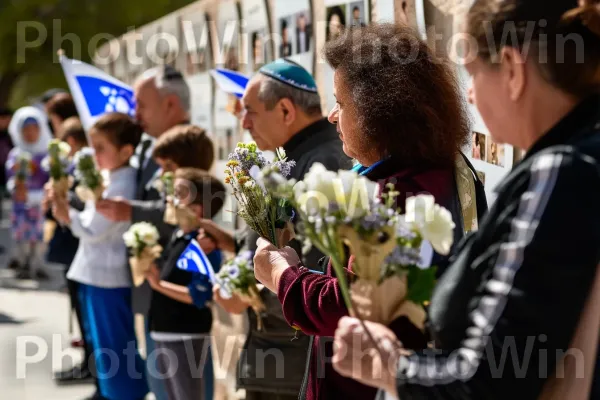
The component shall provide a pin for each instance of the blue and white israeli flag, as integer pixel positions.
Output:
(229, 81)
(194, 260)
(95, 92)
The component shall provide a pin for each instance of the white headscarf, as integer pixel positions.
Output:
(15, 130)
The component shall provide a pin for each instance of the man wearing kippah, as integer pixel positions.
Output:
(282, 108)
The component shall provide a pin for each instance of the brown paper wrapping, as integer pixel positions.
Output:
(60, 187)
(373, 301)
(385, 302)
(181, 216)
(86, 194)
(141, 264)
(252, 298)
(170, 216)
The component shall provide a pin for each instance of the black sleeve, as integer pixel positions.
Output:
(524, 313)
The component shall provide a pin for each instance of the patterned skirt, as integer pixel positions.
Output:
(27, 223)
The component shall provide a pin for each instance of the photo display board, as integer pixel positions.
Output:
(259, 41)
(293, 30)
(196, 48)
(341, 15)
(227, 54)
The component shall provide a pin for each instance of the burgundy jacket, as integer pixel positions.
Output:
(314, 303)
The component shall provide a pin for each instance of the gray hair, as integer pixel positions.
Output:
(271, 91)
(169, 81)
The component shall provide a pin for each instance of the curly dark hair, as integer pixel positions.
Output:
(408, 102)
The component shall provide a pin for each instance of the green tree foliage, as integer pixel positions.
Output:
(27, 70)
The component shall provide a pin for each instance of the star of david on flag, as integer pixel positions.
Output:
(95, 92)
(194, 260)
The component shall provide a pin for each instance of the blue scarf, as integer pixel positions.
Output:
(362, 170)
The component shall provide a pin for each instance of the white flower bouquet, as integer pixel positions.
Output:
(391, 271)
(91, 184)
(267, 215)
(237, 277)
(142, 241)
(57, 163)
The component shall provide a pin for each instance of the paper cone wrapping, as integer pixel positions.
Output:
(141, 264)
(61, 187)
(385, 302)
(86, 194)
(378, 302)
(253, 299)
(49, 228)
(170, 216)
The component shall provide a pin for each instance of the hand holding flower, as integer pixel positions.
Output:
(270, 263)
(234, 304)
(20, 192)
(153, 276)
(355, 357)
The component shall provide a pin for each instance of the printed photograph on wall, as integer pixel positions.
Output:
(257, 49)
(336, 21)
(495, 154)
(341, 15)
(285, 28)
(478, 148)
(293, 31)
(303, 27)
(356, 14)
(261, 46)
(195, 42)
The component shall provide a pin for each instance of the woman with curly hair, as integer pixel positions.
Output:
(399, 114)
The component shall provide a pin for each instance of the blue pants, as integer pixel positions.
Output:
(109, 319)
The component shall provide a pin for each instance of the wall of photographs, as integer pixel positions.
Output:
(242, 35)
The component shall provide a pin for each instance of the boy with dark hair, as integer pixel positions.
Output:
(184, 146)
(179, 319)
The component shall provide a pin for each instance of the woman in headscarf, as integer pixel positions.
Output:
(30, 134)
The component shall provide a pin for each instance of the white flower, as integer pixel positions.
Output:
(129, 238)
(63, 150)
(141, 233)
(432, 221)
(255, 174)
(250, 184)
(351, 193)
(280, 153)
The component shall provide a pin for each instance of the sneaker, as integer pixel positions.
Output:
(42, 275)
(14, 264)
(23, 274)
(74, 376)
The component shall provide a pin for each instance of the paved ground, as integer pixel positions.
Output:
(33, 316)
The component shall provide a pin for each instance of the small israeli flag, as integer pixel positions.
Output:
(193, 259)
(95, 92)
(229, 81)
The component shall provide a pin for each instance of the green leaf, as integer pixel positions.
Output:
(420, 284)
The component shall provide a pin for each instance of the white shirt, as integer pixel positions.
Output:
(101, 259)
(135, 160)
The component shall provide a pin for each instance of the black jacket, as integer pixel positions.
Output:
(511, 299)
(320, 143)
(167, 314)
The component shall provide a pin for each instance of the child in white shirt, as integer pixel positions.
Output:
(101, 263)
